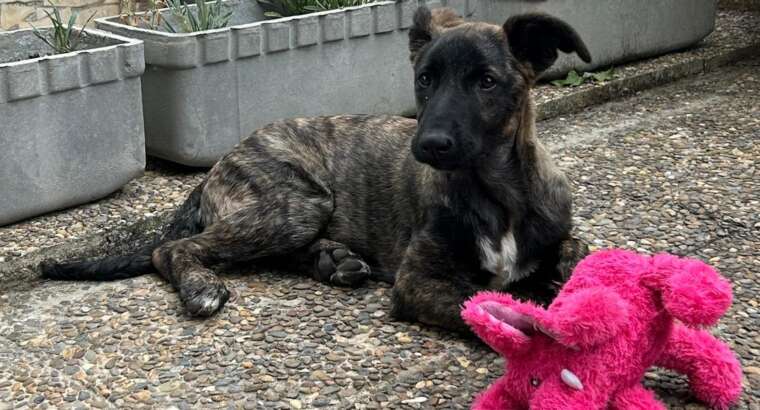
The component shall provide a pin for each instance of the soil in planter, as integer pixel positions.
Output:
(24, 45)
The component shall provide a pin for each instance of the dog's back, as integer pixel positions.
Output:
(362, 162)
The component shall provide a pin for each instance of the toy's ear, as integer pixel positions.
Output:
(534, 39)
(586, 317)
(427, 24)
(692, 291)
(503, 323)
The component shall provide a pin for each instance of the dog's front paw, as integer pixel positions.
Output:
(204, 298)
(571, 251)
(341, 267)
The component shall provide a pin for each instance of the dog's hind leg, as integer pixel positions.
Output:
(262, 229)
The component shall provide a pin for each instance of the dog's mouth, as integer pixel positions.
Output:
(440, 165)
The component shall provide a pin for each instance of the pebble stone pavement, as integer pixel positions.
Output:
(671, 169)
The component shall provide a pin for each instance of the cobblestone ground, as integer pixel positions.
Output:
(672, 169)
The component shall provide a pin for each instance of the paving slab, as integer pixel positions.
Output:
(669, 169)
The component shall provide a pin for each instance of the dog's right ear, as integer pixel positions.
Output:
(427, 24)
(421, 32)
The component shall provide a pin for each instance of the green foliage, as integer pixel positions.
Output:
(574, 79)
(285, 8)
(207, 16)
(62, 37)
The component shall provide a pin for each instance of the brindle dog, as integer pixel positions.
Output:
(476, 203)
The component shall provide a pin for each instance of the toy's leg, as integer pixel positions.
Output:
(553, 394)
(496, 397)
(636, 398)
(714, 373)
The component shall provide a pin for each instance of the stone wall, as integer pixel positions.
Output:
(16, 14)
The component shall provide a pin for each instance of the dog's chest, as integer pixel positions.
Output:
(501, 259)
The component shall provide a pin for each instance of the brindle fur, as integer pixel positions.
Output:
(347, 196)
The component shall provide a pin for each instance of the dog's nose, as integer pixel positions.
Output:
(436, 144)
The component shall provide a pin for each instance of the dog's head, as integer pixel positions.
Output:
(472, 80)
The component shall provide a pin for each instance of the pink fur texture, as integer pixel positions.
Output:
(619, 314)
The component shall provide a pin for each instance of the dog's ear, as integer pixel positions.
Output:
(421, 31)
(535, 38)
(426, 24)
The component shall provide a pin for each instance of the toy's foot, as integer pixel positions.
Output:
(714, 373)
(496, 397)
(636, 398)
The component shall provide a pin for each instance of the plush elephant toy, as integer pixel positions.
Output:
(619, 314)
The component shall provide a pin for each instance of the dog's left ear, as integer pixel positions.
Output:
(535, 38)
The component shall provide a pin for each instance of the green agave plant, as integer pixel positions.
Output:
(208, 16)
(285, 8)
(62, 37)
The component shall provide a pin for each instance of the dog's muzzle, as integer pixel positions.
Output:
(436, 149)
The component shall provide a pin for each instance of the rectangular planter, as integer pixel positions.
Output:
(204, 92)
(71, 125)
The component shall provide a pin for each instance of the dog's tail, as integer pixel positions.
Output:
(185, 222)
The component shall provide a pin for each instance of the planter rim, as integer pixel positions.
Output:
(35, 77)
(125, 42)
(263, 37)
(109, 20)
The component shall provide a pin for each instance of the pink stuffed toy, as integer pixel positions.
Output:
(619, 314)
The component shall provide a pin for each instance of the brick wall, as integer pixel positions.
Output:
(20, 13)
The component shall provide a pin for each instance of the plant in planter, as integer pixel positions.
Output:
(72, 125)
(150, 17)
(205, 16)
(287, 8)
(64, 38)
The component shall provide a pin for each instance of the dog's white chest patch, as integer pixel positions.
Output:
(501, 259)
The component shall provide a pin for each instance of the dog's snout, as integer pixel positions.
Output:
(437, 144)
(438, 149)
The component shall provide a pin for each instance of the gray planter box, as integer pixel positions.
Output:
(204, 92)
(71, 125)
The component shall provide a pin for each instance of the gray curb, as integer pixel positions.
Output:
(119, 240)
(577, 101)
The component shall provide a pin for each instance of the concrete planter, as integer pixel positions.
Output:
(203, 92)
(71, 125)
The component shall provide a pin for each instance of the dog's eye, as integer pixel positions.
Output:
(535, 382)
(424, 80)
(487, 82)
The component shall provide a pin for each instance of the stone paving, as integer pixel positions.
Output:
(672, 169)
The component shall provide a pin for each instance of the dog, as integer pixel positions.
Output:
(476, 203)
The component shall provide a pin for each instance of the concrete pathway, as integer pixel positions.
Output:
(672, 169)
